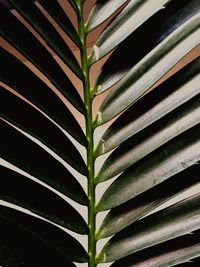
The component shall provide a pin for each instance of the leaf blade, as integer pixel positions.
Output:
(151, 138)
(24, 116)
(177, 220)
(55, 10)
(101, 11)
(172, 158)
(26, 193)
(149, 70)
(122, 216)
(53, 238)
(35, 90)
(177, 90)
(41, 24)
(170, 253)
(133, 15)
(156, 29)
(39, 163)
(15, 33)
(74, 4)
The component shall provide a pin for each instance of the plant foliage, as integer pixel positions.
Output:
(153, 136)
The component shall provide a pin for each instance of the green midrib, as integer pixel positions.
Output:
(90, 145)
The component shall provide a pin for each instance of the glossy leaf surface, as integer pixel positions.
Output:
(16, 33)
(101, 11)
(41, 24)
(58, 14)
(180, 219)
(151, 138)
(120, 217)
(15, 148)
(21, 232)
(182, 249)
(22, 191)
(177, 90)
(172, 158)
(24, 116)
(156, 29)
(150, 69)
(37, 92)
(55, 58)
(131, 17)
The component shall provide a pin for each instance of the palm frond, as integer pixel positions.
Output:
(153, 133)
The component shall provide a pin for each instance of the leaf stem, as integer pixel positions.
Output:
(90, 147)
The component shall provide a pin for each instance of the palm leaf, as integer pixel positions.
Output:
(101, 11)
(30, 195)
(150, 69)
(171, 94)
(14, 32)
(154, 229)
(60, 17)
(20, 115)
(123, 215)
(153, 135)
(39, 163)
(182, 249)
(36, 91)
(156, 29)
(135, 13)
(174, 157)
(148, 140)
(74, 4)
(41, 24)
(42, 234)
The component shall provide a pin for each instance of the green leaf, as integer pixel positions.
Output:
(28, 156)
(170, 253)
(58, 14)
(25, 42)
(101, 11)
(74, 4)
(156, 139)
(192, 263)
(150, 69)
(122, 216)
(36, 241)
(175, 91)
(156, 29)
(24, 116)
(131, 17)
(41, 24)
(177, 220)
(151, 138)
(172, 158)
(31, 87)
(24, 192)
